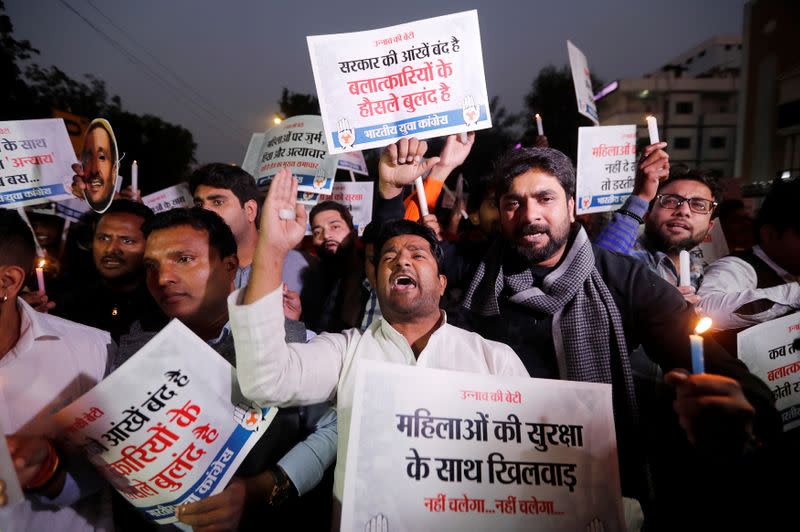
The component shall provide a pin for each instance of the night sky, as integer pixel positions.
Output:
(232, 58)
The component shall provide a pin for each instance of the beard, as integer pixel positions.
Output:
(556, 238)
(671, 246)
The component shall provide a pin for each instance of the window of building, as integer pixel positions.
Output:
(682, 143)
(684, 108)
(717, 143)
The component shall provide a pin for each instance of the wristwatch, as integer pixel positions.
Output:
(282, 488)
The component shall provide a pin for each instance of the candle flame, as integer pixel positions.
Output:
(537, 115)
(41, 263)
(703, 325)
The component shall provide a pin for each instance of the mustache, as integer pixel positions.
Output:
(530, 229)
(115, 256)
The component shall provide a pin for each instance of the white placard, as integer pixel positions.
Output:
(422, 79)
(357, 196)
(8, 474)
(767, 351)
(71, 209)
(442, 450)
(606, 167)
(354, 162)
(35, 162)
(297, 143)
(169, 426)
(253, 151)
(713, 247)
(173, 197)
(582, 80)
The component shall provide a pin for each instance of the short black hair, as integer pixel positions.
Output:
(331, 205)
(17, 244)
(779, 207)
(550, 161)
(228, 177)
(220, 236)
(124, 206)
(478, 192)
(407, 227)
(371, 233)
(705, 177)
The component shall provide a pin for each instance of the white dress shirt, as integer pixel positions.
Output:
(54, 362)
(731, 282)
(272, 372)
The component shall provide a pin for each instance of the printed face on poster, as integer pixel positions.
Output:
(169, 426)
(100, 160)
(297, 143)
(582, 79)
(768, 351)
(422, 79)
(442, 450)
(606, 167)
(35, 157)
(357, 197)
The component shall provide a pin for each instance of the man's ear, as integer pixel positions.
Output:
(12, 278)
(231, 263)
(442, 284)
(251, 209)
(571, 207)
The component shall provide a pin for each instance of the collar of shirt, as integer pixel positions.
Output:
(31, 328)
(391, 334)
(783, 274)
(662, 264)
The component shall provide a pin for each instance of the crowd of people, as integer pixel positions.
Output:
(514, 286)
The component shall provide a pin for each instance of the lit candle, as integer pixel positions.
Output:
(686, 279)
(696, 341)
(652, 127)
(40, 275)
(135, 177)
(423, 201)
(539, 127)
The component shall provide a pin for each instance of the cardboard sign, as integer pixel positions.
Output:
(582, 79)
(442, 450)
(297, 143)
(169, 426)
(767, 350)
(423, 79)
(606, 167)
(172, 197)
(35, 161)
(713, 247)
(358, 199)
(250, 162)
(354, 162)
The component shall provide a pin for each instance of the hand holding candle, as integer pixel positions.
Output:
(652, 127)
(696, 342)
(539, 128)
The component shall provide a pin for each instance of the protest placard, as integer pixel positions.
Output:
(422, 79)
(169, 426)
(354, 162)
(297, 143)
(713, 247)
(35, 160)
(582, 79)
(606, 167)
(250, 162)
(767, 350)
(357, 197)
(71, 209)
(461, 451)
(170, 198)
(8, 474)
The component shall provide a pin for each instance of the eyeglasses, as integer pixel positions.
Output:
(698, 205)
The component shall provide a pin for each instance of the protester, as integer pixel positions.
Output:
(764, 284)
(45, 363)
(574, 311)
(119, 296)
(190, 256)
(412, 330)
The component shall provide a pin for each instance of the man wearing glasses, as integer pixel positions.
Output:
(676, 212)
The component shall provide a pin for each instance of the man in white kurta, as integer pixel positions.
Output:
(412, 331)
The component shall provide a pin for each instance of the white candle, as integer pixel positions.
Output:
(696, 343)
(463, 138)
(539, 127)
(652, 127)
(40, 275)
(135, 177)
(686, 278)
(423, 201)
